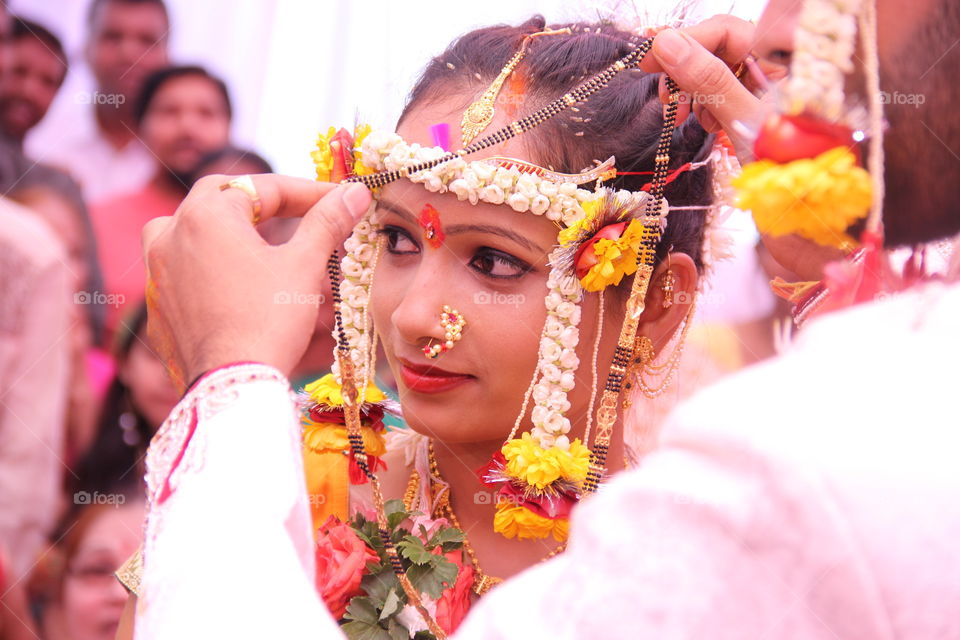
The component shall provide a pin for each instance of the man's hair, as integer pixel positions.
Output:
(156, 80)
(21, 28)
(923, 141)
(96, 4)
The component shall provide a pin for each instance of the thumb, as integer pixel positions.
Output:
(331, 220)
(700, 73)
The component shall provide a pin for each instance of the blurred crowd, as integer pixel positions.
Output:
(81, 392)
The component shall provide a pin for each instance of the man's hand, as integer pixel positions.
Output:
(218, 293)
(700, 59)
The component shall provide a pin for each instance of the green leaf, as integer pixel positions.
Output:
(411, 548)
(391, 606)
(449, 538)
(379, 585)
(397, 631)
(430, 578)
(362, 609)
(356, 630)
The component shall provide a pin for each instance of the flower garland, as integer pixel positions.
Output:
(326, 445)
(521, 186)
(809, 138)
(540, 473)
(357, 582)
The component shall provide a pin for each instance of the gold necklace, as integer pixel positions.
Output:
(482, 581)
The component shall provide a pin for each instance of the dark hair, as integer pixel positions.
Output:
(921, 144)
(47, 178)
(227, 154)
(97, 4)
(113, 461)
(156, 80)
(22, 28)
(624, 119)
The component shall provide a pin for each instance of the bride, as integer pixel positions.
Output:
(497, 284)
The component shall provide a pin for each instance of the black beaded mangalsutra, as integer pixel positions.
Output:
(623, 355)
(575, 96)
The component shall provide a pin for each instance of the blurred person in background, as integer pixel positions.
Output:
(137, 402)
(233, 161)
(35, 69)
(56, 198)
(74, 588)
(34, 368)
(182, 114)
(94, 136)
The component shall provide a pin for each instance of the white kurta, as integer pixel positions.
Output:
(814, 496)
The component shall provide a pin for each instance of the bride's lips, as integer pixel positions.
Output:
(429, 379)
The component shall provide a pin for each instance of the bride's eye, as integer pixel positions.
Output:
(497, 264)
(399, 242)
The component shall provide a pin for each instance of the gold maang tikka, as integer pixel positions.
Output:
(479, 115)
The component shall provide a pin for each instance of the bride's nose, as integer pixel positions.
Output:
(417, 316)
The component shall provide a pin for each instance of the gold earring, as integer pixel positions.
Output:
(452, 322)
(667, 284)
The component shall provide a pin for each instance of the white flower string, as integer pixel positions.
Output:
(494, 180)
(823, 49)
(356, 266)
(558, 362)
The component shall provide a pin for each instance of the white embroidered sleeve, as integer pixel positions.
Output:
(228, 551)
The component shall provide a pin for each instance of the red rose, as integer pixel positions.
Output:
(342, 560)
(454, 602)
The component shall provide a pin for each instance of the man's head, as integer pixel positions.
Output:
(918, 60)
(36, 65)
(127, 40)
(183, 113)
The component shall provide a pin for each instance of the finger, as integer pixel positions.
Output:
(726, 37)
(148, 236)
(698, 71)
(329, 223)
(706, 119)
(279, 196)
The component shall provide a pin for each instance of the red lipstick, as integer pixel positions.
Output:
(429, 379)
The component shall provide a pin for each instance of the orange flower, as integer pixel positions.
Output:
(342, 559)
(454, 602)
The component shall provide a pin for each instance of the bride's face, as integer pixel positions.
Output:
(492, 267)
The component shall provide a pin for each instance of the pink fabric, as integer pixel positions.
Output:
(101, 370)
(117, 223)
(34, 367)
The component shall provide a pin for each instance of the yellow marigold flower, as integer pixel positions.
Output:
(591, 208)
(816, 198)
(323, 156)
(324, 437)
(359, 168)
(514, 521)
(528, 462)
(615, 258)
(326, 390)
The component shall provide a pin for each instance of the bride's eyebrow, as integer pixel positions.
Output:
(454, 229)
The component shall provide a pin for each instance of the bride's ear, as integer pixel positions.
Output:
(671, 292)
